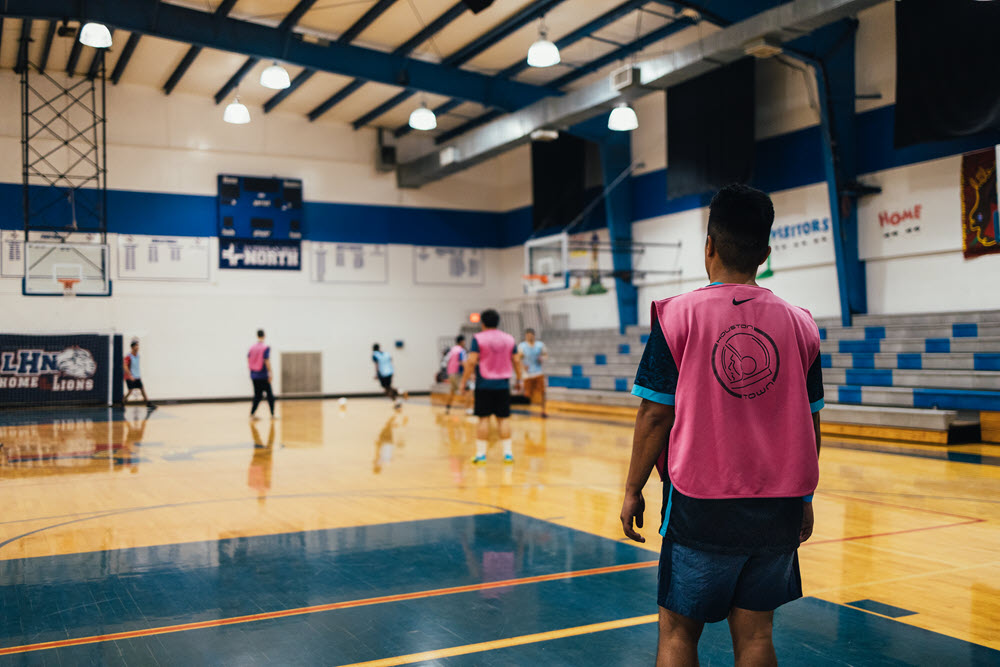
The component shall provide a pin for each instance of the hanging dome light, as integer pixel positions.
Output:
(423, 118)
(96, 35)
(275, 77)
(236, 113)
(623, 118)
(543, 53)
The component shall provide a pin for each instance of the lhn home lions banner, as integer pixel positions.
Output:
(71, 368)
(980, 222)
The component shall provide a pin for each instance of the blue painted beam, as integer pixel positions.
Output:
(592, 66)
(50, 33)
(181, 69)
(192, 53)
(235, 79)
(723, 12)
(405, 48)
(348, 35)
(74, 54)
(831, 50)
(605, 19)
(125, 57)
(97, 62)
(280, 96)
(468, 52)
(22, 46)
(616, 163)
(293, 17)
(179, 23)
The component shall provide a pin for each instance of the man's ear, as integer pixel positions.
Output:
(710, 246)
(766, 255)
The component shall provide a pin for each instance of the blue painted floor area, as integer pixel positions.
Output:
(807, 632)
(80, 595)
(99, 593)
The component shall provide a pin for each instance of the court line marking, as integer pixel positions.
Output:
(894, 532)
(869, 501)
(301, 611)
(510, 641)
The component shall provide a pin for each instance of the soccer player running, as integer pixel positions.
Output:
(259, 361)
(133, 376)
(533, 354)
(493, 358)
(383, 373)
(456, 358)
(731, 387)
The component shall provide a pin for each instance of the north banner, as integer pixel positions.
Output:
(266, 254)
(980, 223)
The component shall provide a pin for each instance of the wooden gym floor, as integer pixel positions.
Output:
(362, 535)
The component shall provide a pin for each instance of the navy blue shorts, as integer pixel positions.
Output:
(705, 586)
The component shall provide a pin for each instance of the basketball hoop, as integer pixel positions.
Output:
(535, 282)
(68, 284)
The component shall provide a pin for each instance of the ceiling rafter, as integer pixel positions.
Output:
(175, 77)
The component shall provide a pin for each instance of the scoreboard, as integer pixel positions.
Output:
(252, 207)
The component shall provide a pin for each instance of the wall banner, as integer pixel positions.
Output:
(269, 255)
(980, 223)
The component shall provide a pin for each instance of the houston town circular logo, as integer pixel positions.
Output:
(745, 361)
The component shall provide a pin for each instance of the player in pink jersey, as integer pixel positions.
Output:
(732, 386)
(259, 361)
(456, 360)
(493, 358)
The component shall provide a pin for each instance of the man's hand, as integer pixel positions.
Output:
(632, 508)
(807, 522)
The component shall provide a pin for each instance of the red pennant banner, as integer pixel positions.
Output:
(980, 221)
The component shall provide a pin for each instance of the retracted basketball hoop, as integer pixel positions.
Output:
(68, 285)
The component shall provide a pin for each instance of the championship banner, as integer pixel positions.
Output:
(980, 222)
(42, 370)
(265, 254)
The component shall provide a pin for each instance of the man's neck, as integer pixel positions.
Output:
(732, 278)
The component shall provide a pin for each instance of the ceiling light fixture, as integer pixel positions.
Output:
(423, 118)
(236, 113)
(275, 77)
(543, 53)
(623, 118)
(96, 35)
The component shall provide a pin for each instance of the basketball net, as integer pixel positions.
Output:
(68, 285)
(535, 281)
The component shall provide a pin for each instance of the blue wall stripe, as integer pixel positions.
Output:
(956, 399)
(986, 361)
(959, 330)
(863, 360)
(786, 161)
(874, 333)
(848, 394)
(859, 346)
(569, 382)
(913, 361)
(937, 345)
(880, 377)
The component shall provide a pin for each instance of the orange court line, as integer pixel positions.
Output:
(505, 643)
(299, 611)
(893, 532)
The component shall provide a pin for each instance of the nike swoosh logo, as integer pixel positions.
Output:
(740, 303)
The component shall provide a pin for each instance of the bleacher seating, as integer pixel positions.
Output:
(921, 377)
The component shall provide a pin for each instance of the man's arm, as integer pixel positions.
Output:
(128, 368)
(652, 430)
(267, 365)
(808, 517)
(470, 367)
(518, 370)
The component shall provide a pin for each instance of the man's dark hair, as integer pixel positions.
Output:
(459, 339)
(739, 221)
(135, 343)
(260, 333)
(529, 331)
(490, 318)
(375, 347)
